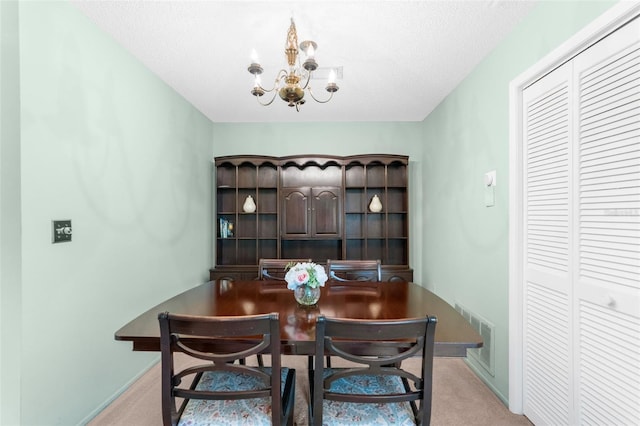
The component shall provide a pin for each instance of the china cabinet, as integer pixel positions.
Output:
(311, 206)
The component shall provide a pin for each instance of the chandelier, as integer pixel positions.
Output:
(288, 82)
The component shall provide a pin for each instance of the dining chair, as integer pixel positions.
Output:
(372, 388)
(275, 269)
(350, 272)
(218, 390)
(354, 270)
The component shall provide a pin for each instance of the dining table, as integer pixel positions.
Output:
(357, 300)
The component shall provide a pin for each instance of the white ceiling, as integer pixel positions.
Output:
(400, 59)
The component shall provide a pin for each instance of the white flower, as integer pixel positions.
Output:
(306, 273)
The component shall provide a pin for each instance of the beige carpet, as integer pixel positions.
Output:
(459, 398)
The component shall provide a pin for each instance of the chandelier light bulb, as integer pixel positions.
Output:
(311, 52)
(332, 77)
(254, 56)
(332, 87)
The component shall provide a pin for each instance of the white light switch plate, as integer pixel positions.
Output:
(489, 196)
(490, 188)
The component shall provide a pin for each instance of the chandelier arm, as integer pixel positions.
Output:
(268, 103)
(318, 100)
(306, 83)
(281, 74)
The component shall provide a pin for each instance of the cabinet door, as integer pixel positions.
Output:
(326, 212)
(296, 205)
(311, 212)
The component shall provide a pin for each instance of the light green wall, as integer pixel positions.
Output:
(109, 146)
(10, 223)
(465, 253)
(279, 139)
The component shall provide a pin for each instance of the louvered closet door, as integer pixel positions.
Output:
(607, 311)
(547, 196)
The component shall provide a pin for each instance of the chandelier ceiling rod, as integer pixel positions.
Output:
(287, 82)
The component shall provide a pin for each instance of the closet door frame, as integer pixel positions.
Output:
(607, 23)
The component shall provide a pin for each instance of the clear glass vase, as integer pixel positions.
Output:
(307, 296)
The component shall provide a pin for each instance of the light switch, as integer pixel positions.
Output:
(490, 178)
(490, 188)
(61, 231)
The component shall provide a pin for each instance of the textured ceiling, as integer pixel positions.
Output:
(399, 58)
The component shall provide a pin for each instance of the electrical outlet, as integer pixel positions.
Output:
(61, 231)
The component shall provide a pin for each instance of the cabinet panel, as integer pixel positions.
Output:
(375, 225)
(267, 201)
(317, 250)
(354, 200)
(268, 176)
(326, 212)
(226, 252)
(397, 251)
(311, 175)
(246, 226)
(226, 200)
(296, 205)
(354, 225)
(397, 275)
(397, 175)
(397, 225)
(247, 175)
(268, 226)
(247, 252)
(354, 175)
(375, 249)
(397, 200)
(355, 249)
(268, 248)
(226, 176)
(376, 175)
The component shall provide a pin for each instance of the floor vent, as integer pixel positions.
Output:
(483, 355)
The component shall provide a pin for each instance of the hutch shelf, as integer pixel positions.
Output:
(311, 206)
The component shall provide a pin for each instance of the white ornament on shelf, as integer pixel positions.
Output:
(249, 205)
(375, 205)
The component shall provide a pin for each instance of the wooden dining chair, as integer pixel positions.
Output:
(372, 387)
(275, 269)
(354, 270)
(218, 390)
(349, 272)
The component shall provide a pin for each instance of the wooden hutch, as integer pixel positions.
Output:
(311, 206)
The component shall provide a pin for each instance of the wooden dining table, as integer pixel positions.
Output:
(361, 300)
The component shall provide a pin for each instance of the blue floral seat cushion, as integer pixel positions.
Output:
(250, 412)
(336, 413)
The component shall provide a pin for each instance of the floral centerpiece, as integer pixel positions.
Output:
(305, 279)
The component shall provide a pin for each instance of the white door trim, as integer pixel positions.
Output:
(608, 22)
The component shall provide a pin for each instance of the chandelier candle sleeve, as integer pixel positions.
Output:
(292, 83)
